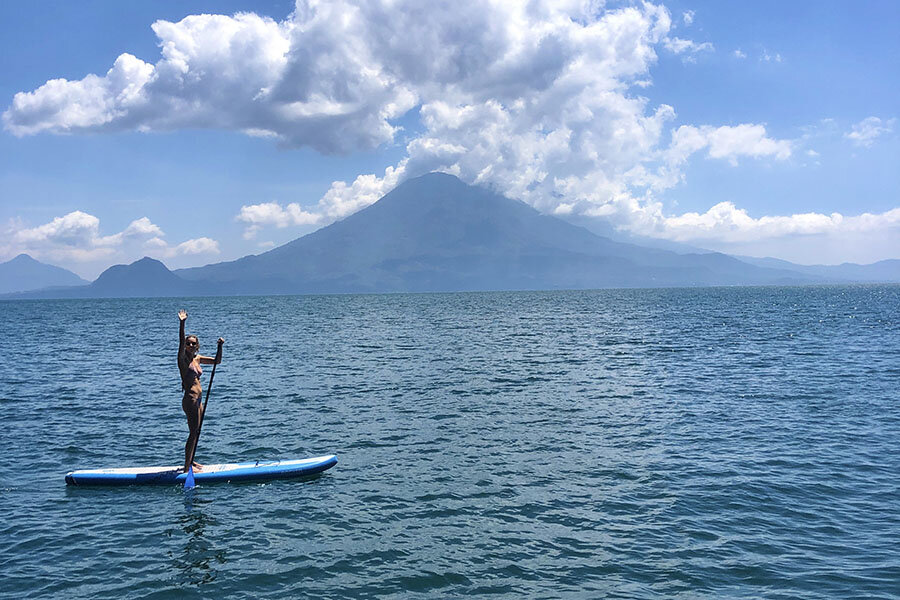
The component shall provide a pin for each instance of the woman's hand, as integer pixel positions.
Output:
(182, 315)
(221, 341)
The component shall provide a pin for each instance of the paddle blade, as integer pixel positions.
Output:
(189, 480)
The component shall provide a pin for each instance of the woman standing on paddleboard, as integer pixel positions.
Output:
(189, 364)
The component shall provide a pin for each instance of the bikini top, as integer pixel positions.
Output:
(193, 374)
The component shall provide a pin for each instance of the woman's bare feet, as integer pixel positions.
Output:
(197, 466)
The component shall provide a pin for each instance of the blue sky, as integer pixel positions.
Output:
(763, 128)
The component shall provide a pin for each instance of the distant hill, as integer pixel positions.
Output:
(24, 273)
(435, 233)
(885, 271)
(146, 277)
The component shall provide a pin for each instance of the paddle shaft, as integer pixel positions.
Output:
(206, 402)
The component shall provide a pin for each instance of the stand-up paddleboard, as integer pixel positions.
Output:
(248, 471)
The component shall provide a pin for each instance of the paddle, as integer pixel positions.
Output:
(189, 480)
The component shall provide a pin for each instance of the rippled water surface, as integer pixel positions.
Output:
(623, 444)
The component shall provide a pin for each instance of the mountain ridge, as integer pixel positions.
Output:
(882, 271)
(435, 233)
(23, 273)
(146, 277)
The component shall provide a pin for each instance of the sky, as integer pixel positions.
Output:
(200, 131)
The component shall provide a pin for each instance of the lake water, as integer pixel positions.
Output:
(730, 442)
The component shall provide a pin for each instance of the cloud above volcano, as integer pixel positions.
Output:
(540, 100)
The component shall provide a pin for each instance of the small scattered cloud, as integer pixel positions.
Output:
(740, 54)
(767, 57)
(870, 129)
(257, 216)
(688, 17)
(203, 245)
(726, 142)
(689, 48)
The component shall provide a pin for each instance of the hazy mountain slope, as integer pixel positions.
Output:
(885, 271)
(606, 229)
(24, 273)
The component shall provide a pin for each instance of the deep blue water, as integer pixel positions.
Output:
(731, 442)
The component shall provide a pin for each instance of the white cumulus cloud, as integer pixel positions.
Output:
(203, 245)
(289, 80)
(539, 100)
(271, 213)
(76, 238)
(731, 229)
(745, 140)
(338, 202)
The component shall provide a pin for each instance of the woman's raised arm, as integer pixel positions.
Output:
(182, 317)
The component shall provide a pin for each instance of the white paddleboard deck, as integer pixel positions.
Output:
(246, 471)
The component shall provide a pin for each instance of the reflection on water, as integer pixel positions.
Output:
(197, 562)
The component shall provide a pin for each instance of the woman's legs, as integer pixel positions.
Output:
(194, 411)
